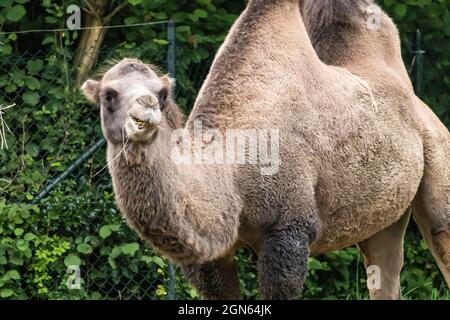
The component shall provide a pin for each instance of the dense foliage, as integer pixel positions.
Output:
(78, 224)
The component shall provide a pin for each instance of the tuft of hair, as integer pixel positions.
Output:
(110, 63)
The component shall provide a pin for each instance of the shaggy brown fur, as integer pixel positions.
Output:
(341, 37)
(351, 158)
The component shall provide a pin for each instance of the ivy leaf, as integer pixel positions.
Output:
(134, 2)
(31, 98)
(161, 42)
(105, 232)
(12, 274)
(5, 293)
(34, 66)
(5, 3)
(130, 248)
(16, 259)
(72, 260)
(147, 259)
(32, 83)
(29, 236)
(84, 248)
(5, 49)
(201, 13)
(16, 13)
(400, 9)
(159, 261)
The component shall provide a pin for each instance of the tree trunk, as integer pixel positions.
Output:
(88, 50)
(92, 38)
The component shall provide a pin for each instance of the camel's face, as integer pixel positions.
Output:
(131, 97)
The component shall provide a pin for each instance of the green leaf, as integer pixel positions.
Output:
(72, 260)
(84, 248)
(31, 98)
(159, 261)
(161, 42)
(401, 9)
(12, 274)
(5, 293)
(5, 3)
(130, 248)
(48, 40)
(105, 232)
(32, 83)
(16, 259)
(147, 259)
(5, 49)
(16, 13)
(18, 231)
(134, 2)
(114, 227)
(34, 66)
(29, 236)
(201, 13)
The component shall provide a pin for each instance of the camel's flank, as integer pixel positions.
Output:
(359, 36)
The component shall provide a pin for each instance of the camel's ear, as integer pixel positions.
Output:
(91, 90)
(165, 92)
(167, 81)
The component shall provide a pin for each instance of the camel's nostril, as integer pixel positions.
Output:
(148, 101)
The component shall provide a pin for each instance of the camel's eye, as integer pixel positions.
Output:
(163, 95)
(108, 97)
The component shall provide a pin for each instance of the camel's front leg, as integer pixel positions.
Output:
(216, 280)
(283, 261)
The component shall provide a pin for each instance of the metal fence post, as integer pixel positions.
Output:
(81, 159)
(171, 48)
(171, 295)
(418, 67)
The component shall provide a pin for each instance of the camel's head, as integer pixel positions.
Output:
(131, 97)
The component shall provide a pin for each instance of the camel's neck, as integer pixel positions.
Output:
(163, 201)
(264, 48)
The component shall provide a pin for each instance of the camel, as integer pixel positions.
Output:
(350, 159)
(341, 36)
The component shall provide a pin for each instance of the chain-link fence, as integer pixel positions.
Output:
(55, 161)
(72, 243)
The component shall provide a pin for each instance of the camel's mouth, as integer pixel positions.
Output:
(141, 124)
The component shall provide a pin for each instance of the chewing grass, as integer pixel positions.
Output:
(4, 127)
(123, 150)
